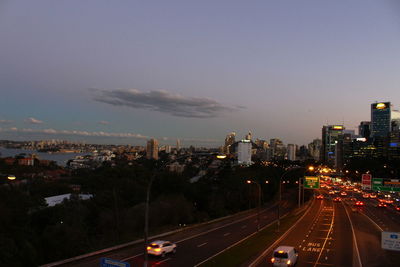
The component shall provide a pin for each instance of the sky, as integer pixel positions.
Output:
(121, 72)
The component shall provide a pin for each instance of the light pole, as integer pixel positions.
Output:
(146, 221)
(259, 200)
(311, 168)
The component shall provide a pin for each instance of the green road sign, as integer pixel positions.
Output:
(381, 184)
(311, 182)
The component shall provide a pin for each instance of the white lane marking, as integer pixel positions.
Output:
(129, 258)
(159, 262)
(202, 244)
(373, 222)
(326, 239)
(226, 234)
(354, 237)
(244, 226)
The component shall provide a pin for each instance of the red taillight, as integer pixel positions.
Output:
(148, 248)
(273, 260)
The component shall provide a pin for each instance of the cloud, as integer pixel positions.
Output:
(74, 132)
(103, 122)
(165, 102)
(5, 121)
(33, 121)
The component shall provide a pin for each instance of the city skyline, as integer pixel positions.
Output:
(128, 72)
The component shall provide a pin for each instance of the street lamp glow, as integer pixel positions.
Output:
(248, 181)
(11, 177)
(311, 168)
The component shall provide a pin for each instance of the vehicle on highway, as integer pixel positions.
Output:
(337, 199)
(284, 256)
(365, 195)
(161, 248)
(343, 194)
(359, 204)
(320, 197)
(381, 205)
(397, 208)
(372, 195)
(331, 192)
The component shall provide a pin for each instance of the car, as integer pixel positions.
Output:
(331, 192)
(343, 194)
(337, 199)
(396, 208)
(389, 201)
(372, 195)
(359, 203)
(161, 248)
(284, 256)
(382, 205)
(365, 195)
(320, 197)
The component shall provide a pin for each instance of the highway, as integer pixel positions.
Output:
(195, 245)
(330, 234)
(340, 234)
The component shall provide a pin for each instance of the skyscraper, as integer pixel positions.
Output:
(315, 149)
(380, 119)
(248, 136)
(244, 152)
(152, 149)
(330, 136)
(229, 141)
(364, 129)
(178, 144)
(291, 152)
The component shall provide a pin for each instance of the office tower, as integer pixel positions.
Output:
(248, 136)
(178, 144)
(291, 152)
(278, 150)
(380, 119)
(364, 129)
(343, 149)
(229, 141)
(263, 144)
(152, 149)
(244, 152)
(395, 121)
(330, 136)
(167, 149)
(314, 148)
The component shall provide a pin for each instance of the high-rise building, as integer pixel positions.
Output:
(291, 152)
(314, 148)
(380, 119)
(229, 141)
(278, 149)
(395, 121)
(178, 144)
(248, 136)
(244, 152)
(364, 129)
(330, 136)
(152, 149)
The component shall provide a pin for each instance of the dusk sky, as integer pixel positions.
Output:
(120, 72)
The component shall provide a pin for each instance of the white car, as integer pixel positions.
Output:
(284, 256)
(161, 248)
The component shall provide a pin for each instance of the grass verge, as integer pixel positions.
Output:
(244, 251)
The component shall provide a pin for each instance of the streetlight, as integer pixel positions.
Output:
(259, 201)
(310, 168)
(146, 221)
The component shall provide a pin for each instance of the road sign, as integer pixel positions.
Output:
(366, 181)
(105, 262)
(311, 182)
(382, 184)
(390, 241)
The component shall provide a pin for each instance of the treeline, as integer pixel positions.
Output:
(32, 234)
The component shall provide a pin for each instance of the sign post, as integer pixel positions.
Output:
(390, 241)
(311, 182)
(105, 262)
(366, 180)
(389, 185)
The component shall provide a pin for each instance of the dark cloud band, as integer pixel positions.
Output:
(165, 102)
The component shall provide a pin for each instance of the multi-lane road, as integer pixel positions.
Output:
(196, 245)
(330, 234)
(341, 234)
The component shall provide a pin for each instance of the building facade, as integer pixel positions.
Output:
(152, 149)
